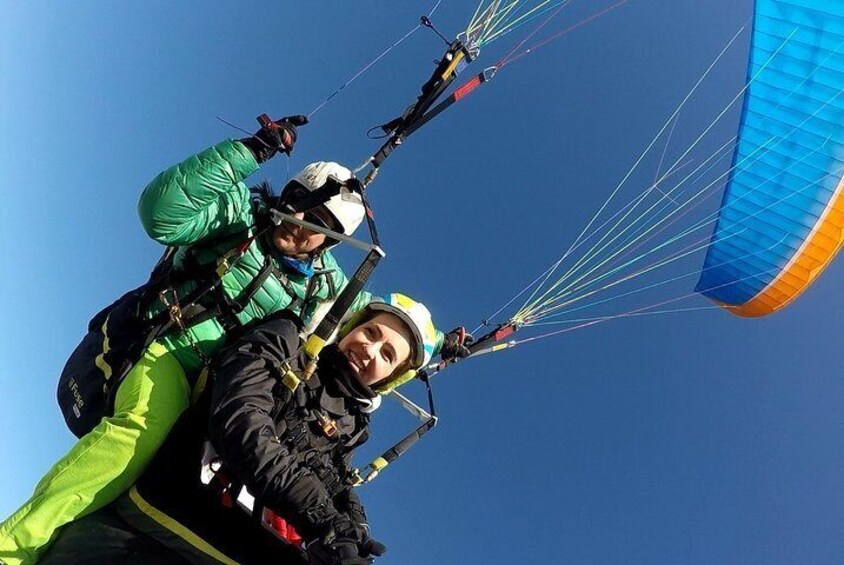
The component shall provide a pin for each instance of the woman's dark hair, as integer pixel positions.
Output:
(263, 191)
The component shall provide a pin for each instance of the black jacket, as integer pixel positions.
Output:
(270, 439)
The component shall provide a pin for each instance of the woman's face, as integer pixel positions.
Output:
(299, 242)
(376, 348)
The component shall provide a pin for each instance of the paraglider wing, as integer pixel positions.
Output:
(782, 216)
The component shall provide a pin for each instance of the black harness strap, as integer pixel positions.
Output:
(461, 92)
(407, 442)
(332, 319)
(418, 113)
(370, 216)
(295, 301)
(228, 308)
(400, 448)
(355, 285)
(182, 313)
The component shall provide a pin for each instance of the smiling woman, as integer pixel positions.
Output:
(377, 348)
(274, 442)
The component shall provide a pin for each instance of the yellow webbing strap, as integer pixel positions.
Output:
(313, 346)
(379, 463)
(390, 386)
(199, 387)
(99, 361)
(174, 526)
(457, 58)
(312, 349)
(375, 467)
(289, 378)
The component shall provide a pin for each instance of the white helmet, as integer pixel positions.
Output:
(346, 207)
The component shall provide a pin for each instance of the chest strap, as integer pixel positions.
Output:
(228, 308)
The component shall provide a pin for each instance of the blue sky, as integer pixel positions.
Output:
(686, 438)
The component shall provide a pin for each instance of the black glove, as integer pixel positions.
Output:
(372, 548)
(274, 136)
(338, 552)
(346, 543)
(349, 503)
(456, 344)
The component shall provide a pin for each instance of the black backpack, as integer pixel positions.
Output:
(91, 376)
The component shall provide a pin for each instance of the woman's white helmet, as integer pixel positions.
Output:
(346, 207)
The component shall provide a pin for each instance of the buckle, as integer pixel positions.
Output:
(288, 377)
(222, 266)
(327, 425)
(297, 434)
(355, 478)
(317, 514)
(172, 306)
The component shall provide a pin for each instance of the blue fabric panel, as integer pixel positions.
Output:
(790, 154)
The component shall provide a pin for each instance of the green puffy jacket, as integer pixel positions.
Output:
(202, 206)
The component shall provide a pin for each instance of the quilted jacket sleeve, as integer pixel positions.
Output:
(201, 197)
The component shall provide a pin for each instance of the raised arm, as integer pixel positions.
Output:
(200, 197)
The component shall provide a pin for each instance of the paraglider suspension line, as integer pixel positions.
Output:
(238, 128)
